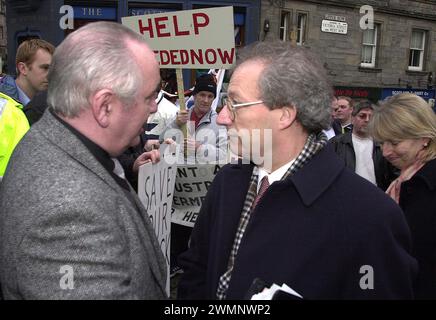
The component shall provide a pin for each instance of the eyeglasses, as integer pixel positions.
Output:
(232, 107)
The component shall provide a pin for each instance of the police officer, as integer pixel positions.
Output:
(13, 126)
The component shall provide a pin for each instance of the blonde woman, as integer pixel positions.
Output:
(406, 127)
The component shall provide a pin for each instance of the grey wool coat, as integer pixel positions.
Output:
(68, 230)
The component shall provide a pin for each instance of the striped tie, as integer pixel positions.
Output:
(263, 186)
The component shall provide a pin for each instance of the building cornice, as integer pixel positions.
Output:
(382, 6)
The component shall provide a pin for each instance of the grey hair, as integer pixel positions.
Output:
(293, 76)
(92, 58)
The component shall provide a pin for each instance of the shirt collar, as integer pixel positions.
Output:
(101, 155)
(274, 176)
(24, 99)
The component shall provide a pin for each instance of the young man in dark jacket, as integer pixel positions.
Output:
(360, 152)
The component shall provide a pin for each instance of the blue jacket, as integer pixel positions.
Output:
(315, 231)
(9, 87)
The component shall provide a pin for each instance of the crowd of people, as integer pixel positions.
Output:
(333, 197)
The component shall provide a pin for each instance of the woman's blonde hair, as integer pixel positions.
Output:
(405, 116)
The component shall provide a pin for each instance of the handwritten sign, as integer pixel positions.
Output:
(155, 190)
(192, 183)
(202, 38)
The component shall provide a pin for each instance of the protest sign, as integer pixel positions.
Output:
(155, 190)
(192, 183)
(196, 39)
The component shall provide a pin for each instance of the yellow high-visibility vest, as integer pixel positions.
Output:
(13, 126)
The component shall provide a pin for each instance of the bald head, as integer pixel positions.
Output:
(98, 55)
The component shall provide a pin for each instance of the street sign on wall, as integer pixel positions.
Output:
(334, 26)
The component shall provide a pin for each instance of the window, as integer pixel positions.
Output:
(284, 25)
(301, 28)
(417, 45)
(1, 32)
(369, 47)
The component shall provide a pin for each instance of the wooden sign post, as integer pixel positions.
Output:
(191, 39)
(181, 94)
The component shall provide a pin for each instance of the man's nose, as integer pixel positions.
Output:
(153, 107)
(208, 99)
(224, 117)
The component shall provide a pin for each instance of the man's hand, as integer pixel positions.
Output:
(182, 117)
(153, 156)
(155, 144)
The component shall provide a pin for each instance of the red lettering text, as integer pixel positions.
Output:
(225, 56)
(184, 57)
(176, 28)
(209, 53)
(160, 26)
(200, 24)
(198, 57)
(173, 54)
(148, 28)
(164, 60)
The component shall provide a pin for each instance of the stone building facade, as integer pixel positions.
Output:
(400, 52)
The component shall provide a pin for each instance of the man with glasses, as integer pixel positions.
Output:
(360, 152)
(290, 212)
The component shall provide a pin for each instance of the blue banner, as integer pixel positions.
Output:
(423, 93)
(142, 11)
(95, 13)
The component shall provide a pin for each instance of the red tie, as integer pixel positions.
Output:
(263, 186)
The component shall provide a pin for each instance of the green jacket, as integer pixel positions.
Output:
(13, 126)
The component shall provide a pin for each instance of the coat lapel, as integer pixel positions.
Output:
(234, 185)
(51, 128)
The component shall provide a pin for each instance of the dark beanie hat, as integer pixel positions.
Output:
(205, 83)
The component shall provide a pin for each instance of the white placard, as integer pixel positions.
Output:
(192, 183)
(155, 190)
(194, 39)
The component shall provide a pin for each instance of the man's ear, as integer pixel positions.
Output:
(287, 117)
(22, 68)
(102, 104)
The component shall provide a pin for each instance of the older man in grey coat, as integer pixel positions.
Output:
(70, 227)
